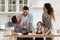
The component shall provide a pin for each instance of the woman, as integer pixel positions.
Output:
(46, 19)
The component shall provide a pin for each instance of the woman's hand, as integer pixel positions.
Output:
(46, 33)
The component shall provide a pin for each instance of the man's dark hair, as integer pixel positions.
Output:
(25, 8)
(14, 20)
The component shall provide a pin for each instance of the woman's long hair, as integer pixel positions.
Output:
(50, 10)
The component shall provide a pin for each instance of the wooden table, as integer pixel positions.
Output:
(30, 36)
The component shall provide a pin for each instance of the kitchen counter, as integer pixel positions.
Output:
(35, 35)
(3, 30)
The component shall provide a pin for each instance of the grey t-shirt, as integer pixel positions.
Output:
(46, 20)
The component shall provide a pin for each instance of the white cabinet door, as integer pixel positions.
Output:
(12, 6)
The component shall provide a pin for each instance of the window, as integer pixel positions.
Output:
(2, 5)
(22, 3)
(11, 5)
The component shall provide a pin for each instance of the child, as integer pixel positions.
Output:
(39, 30)
(17, 23)
(18, 28)
(16, 20)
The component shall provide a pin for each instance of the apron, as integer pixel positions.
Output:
(39, 32)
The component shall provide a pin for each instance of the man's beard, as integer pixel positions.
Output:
(25, 14)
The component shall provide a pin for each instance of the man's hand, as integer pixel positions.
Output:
(30, 28)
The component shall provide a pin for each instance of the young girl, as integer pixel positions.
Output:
(39, 30)
(17, 23)
(46, 19)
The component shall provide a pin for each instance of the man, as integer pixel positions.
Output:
(25, 23)
(26, 20)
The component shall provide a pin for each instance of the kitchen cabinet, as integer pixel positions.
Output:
(12, 6)
(5, 32)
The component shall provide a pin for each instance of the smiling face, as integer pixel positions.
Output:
(45, 10)
(39, 25)
(25, 12)
(18, 20)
